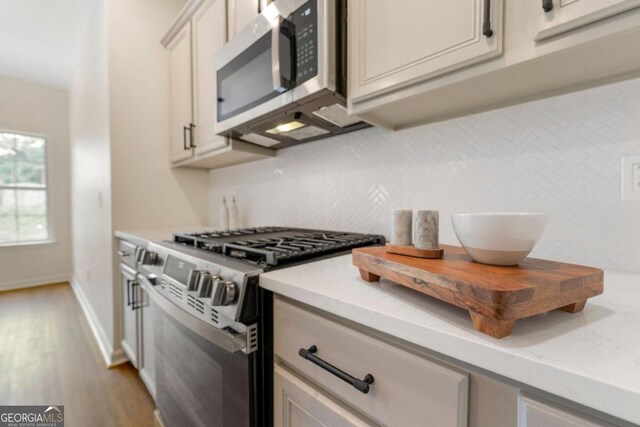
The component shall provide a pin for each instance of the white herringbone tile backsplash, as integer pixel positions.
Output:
(560, 156)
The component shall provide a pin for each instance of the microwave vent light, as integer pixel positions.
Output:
(286, 127)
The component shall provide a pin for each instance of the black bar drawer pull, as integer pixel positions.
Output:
(547, 5)
(134, 303)
(128, 293)
(362, 386)
(486, 25)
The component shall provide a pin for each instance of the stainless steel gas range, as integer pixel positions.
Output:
(212, 329)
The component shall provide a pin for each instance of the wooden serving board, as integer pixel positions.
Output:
(495, 296)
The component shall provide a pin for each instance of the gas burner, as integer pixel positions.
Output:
(271, 246)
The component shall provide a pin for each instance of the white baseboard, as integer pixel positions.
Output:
(37, 281)
(118, 358)
(111, 357)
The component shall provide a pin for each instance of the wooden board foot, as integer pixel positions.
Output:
(576, 307)
(492, 327)
(368, 277)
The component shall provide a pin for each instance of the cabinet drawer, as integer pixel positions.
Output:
(300, 404)
(407, 389)
(536, 413)
(127, 253)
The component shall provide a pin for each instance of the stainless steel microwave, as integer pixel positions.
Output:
(282, 79)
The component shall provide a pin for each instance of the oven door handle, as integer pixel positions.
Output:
(281, 83)
(227, 341)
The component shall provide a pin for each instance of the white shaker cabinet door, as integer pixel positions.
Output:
(209, 35)
(535, 413)
(558, 16)
(299, 404)
(181, 95)
(241, 12)
(147, 349)
(393, 46)
(130, 295)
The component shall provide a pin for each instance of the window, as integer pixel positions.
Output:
(23, 189)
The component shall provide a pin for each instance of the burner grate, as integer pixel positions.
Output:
(276, 245)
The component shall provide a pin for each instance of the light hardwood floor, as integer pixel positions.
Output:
(48, 355)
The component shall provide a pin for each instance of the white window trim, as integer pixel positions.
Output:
(48, 188)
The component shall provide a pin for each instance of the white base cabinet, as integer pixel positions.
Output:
(537, 413)
(405, 387)
(147, 361)
(411, 387)
(137, 317)
(130, 315)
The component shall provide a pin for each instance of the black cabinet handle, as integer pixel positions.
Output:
(191, 144)
(547, 5)
(128, 293)
(184, 137)
(134, 303)
(486, 25)
(362, 386)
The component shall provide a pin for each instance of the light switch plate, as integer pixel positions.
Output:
(630, 178)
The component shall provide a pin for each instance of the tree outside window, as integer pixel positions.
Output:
(23, 189)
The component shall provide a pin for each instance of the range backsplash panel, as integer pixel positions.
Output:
(560, 156)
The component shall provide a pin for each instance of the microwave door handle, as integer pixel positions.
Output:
(275, 60)
(281, 84)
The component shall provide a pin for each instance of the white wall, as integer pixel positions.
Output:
(91, 181)
(560, 156)
(120, 139)
(32, 108)
(146, 192)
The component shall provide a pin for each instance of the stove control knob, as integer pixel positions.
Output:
(207, 281)
(193, 282)
(153, 279)
(224, 293)
(148, 257)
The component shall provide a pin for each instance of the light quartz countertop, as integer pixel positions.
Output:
(592, 357)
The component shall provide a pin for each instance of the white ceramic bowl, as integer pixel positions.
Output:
(499, 238)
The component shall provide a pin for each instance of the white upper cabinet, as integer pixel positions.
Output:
(392, 46)
(241, 12)
(210, 34)
(192, 41)
(181, 99)
(427, 61)
(559, 16)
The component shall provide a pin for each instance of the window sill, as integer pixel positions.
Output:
(16, 245)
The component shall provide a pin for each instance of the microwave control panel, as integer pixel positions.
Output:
(305, 21)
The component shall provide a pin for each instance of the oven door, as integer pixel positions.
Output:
(200, 380)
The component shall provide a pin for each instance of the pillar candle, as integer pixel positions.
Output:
(401, 227)
(426, 230)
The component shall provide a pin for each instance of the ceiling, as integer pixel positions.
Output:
(39, 39)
